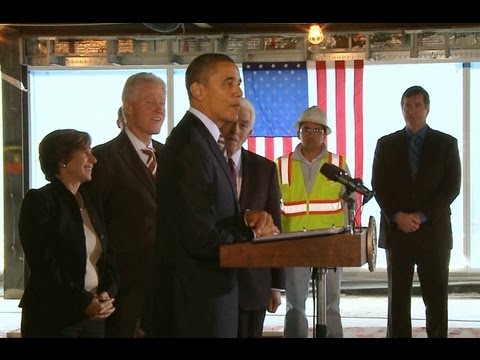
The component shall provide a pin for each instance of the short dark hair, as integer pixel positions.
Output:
(201, 68)
(56, 149)
(416, 90)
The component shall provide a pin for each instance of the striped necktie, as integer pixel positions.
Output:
(221, 142)
(414, 154)
(151, 160)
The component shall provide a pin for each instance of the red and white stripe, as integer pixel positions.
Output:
(271, 147)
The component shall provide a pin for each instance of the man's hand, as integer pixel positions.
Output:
(275, 301)
(408, 222)
(260, 222)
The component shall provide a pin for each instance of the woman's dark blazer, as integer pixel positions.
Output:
(52, 235)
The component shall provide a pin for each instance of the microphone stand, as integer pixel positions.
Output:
(350, 210)
(319, 275)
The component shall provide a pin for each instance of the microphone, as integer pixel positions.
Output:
(335, 173)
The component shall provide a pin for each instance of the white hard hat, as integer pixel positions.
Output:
(314, 115)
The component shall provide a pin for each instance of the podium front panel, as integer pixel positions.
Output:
(347, 250)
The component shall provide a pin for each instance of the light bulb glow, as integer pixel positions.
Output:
(315, 34)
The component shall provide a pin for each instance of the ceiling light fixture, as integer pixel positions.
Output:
(315, 34)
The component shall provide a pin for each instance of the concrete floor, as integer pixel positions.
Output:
(358, 311)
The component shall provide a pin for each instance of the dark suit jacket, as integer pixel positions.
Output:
(53, 239)
(260, 191)
(129, 200)
(436, 186)
(197, 212)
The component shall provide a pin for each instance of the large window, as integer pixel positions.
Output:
(472, 148)
(88, 100)
(383, 88)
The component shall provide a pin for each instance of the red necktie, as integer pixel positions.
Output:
(231, 164)
(151, 160)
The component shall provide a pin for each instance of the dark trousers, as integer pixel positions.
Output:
(432, 270)
(88, 328)
(38, 323)
(250, 323)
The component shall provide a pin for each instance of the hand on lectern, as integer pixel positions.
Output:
(260, 222)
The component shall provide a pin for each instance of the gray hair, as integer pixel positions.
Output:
(245, 103)
(138, 79)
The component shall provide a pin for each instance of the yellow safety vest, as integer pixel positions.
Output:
(320, 209)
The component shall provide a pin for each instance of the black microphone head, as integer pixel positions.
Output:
(368, 197)
(330, 171)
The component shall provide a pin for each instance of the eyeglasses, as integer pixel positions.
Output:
(307, 130)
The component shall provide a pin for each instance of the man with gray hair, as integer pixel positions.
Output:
(124, 175)
(259, 289)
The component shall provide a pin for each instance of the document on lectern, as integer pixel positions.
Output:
(301, 234)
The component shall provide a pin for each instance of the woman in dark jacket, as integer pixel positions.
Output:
(72, 280)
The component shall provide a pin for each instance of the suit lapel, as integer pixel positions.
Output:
(246, 178)
(133, 162)
(214, 148)
(402, 153)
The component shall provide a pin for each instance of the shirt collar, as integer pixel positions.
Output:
(420, 134)
(237, 158)
(209, 124)
(137, 144)
(297, 154)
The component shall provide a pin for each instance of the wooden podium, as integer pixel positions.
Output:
(307, 249)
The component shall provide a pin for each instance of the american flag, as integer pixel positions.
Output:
(279, 93)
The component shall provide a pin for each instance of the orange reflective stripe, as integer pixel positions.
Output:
(294, 209)
(325, 207)
(319, 207)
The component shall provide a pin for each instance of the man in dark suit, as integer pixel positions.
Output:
(198, 210)
(128, 190)
(416, 176)
(257, 188)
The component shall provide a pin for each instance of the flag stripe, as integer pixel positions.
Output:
(269, 151)
(287, 145)
(252, 144)
(358, 115)
(358, 106)
(340, 107)
(322, 85)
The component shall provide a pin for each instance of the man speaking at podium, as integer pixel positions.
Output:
(310, 202)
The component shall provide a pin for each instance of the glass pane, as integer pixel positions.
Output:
(383, 88)
(474, 169)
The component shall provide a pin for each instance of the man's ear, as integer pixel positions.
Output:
(298, 134)
(196, 90)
